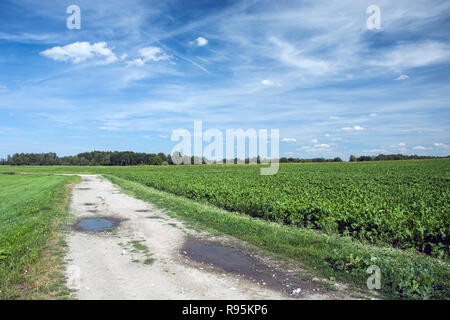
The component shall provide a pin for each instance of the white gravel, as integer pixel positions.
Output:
(100, 265)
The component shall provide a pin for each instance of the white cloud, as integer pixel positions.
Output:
(108, 128)
(200, 41)
(323, 145)
(136, 62)
(334, 118)
(401, 144)
(315, 140)
(81, 51)
(420, 148)
(440, 144)
(163, 136)
(402, 77)
(268, 82)
(373, 114)
(3, 88)
(374, 151)
(153, 54)
(289, 140)
(356, 128)
(148, 54)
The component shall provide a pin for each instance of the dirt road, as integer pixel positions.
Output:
(143, 257)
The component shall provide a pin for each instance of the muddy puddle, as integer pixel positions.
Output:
(96, 224)
(232, 260)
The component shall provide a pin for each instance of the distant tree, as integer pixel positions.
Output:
(156, 160)
(169, 159)
(352, 158)
(162, 156)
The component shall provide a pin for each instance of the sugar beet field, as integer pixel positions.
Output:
(366, 209)
(405, 205)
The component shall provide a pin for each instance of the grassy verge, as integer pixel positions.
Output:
(33, 209)
(404, 275)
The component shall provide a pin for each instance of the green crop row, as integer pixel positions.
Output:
(403, 203)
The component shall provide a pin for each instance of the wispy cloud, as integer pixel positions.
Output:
(413, 55)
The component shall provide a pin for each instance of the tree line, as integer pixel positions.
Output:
(94, 158)
(129, 158)
(382, 157)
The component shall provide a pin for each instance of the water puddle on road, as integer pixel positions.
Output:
(154, 217)
(232, 260)
(96, 224)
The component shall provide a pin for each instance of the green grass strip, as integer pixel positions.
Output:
(32, 211)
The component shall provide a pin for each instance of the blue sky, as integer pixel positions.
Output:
(137, 70)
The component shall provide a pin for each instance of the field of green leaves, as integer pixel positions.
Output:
(402, 203)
